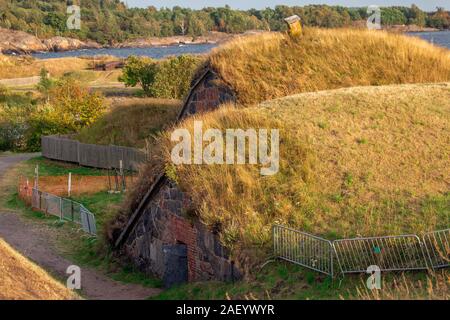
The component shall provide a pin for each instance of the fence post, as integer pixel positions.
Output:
(60, 209)
(69, 186)
(36, 171)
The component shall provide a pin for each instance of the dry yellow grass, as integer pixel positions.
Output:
(435, 287)
(359, 161)
(269, 66)
(22, 67)
(21, 279)
(131, 122)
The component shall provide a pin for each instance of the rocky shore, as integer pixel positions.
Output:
(409, 28)
(19, 42)
(211, 37)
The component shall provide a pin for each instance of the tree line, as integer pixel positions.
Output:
(109, 21)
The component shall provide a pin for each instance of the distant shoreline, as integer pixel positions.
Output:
(27, 44)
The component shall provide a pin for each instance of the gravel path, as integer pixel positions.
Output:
(37, 242)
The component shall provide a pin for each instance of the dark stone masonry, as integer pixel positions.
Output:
(165, 239)
(165, 223)
(207, 95)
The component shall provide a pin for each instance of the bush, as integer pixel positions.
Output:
(168, 79)
(74, 107)
(69, 108)
(139, 71)
(45, 121)
(12, 128)
(173, 77)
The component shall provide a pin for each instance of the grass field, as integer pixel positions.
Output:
(22, 67)
(20, 279)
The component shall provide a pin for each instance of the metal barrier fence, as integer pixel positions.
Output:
(437, 245)
(390, 253)
(65, 209)
(91, 155)
(303, 249)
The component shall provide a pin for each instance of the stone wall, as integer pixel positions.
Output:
(166, 220)
(208, 95)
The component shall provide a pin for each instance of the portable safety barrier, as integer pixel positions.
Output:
(303, 249)
(437, 245)
(389, 253)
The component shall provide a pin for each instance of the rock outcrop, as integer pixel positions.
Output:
(12, 41)
(19, 42)
(65, 44)
(211, 37)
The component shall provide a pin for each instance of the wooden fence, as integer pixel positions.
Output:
(91, 155)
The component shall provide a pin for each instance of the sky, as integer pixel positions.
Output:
(427, 5)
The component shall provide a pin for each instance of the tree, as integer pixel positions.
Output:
(440, 19)
(45, 83)
(55, 21)
(196, 26)
(139, 71)
(417, 16)
(74, 107)
(392, 16)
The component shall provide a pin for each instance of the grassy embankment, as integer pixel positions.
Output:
(271, 66)
(21, 279)
(362, 161)
(75, 245)
(354, 162)
(132, 122)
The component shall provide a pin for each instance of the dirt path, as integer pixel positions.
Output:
(17, 82)
(37, 242)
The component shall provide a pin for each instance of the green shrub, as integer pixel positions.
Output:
(69, 107)
(168, 79)
(12, 128)
(73, 106)
(173, 77)
(139, 71)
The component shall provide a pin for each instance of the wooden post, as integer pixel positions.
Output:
(36, 181)
(29, 194)
(116, 180)
(60, 208)
(109, 179)
(122, 175)
(69, 184)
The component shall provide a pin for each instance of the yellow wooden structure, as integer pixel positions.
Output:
(295, 25)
